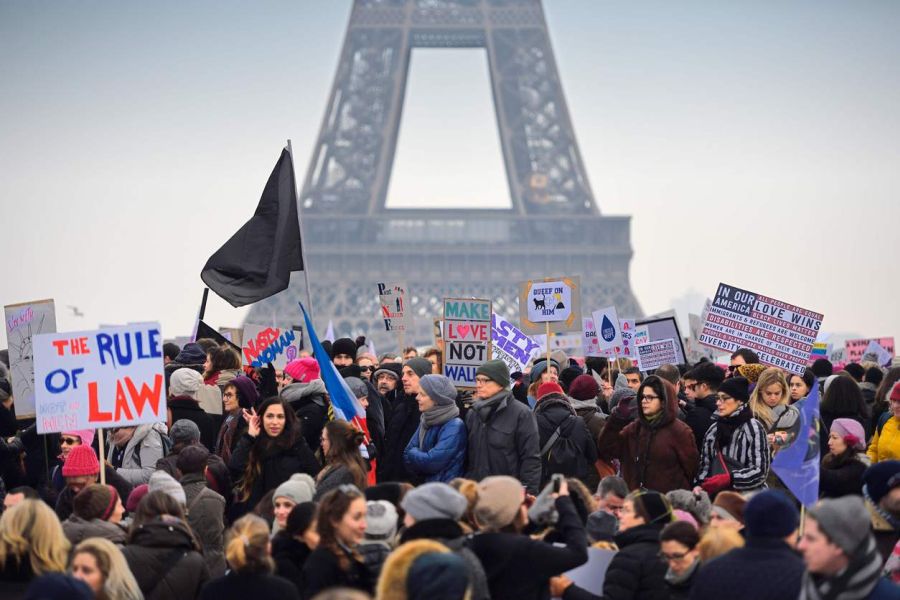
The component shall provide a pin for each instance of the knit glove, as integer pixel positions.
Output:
(715, 484)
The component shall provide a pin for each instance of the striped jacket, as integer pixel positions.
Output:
(748, 448)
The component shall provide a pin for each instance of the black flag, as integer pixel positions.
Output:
(205, 331)
(257, 261)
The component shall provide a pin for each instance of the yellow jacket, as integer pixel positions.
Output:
(886, 445)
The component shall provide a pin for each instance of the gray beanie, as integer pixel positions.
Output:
(381, 520)
(161, 481)
(420, 366)
(434, 501)
(496, 371)
(439, 388)
(357, 386)
(698, 505)
(184, 431)
(299, 488)
(185, 382)
(844, 520)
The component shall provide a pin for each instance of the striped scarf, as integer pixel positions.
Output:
(854, 583)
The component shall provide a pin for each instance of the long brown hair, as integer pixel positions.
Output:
(332, 508)
(222, 358)
(265, 446)
(344, 440)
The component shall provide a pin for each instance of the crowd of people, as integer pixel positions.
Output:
(251, 488)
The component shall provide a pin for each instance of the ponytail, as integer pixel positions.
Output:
(247, 549)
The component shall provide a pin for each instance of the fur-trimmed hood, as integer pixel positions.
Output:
(393, 580)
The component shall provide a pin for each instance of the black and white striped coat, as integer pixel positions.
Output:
(748, 448)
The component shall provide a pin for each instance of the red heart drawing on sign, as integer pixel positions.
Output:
(462, 330)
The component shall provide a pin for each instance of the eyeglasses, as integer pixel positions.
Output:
(67, 441)
(723, 398)
(672, 557)
(649, 397)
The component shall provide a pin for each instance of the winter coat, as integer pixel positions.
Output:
(885, 445)
(829, 417)
(322, 571)
(277, 466)
(399, 429)
(310, 402)
(165, 560)
(241, 586)
(699, 416)
(137, 460)
(555, 410)
(230, 432)
(78, 530)
(449, 533)
(290, 555)
(209, 397)
(185, 407)
(842, 476)
(63, 505)
(442, 454)
(520, 567)
(748, 452)
(594, 417)
(763, 568)
(660, 455)
(206, 516)
(504, 441)
(333, 479)
(374, 553)
(169, 463)
(635, 571)
(15, 575)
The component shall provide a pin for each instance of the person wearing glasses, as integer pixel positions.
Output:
(68, 440)
(702, 382)
(735, 453)
(740, 357)
(678, 549)
(656, 450)
(366, 363)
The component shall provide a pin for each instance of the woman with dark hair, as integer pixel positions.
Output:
(842, 400)
(269, 452)
(292, 545)
(657, 451)
(843, 467)
(679, 550)
(343, 462)
(336, 562)
(800, 385)
(162, 551)
(239, 395)
(222, 365)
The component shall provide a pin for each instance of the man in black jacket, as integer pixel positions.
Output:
(706, 379)
(402, 424)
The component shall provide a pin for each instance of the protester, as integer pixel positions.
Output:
(634, 377)
(718, 541)
(101, 565)
(727, 511)
(343, 352)
(292, 545)
(135, 450)
(193, 356)
(55, 586)
(298, 489)
(656, 451)
(336, 561)
(378, 541)
(437, 450)
(566, 444)
(239, 395)
(67, 441)
(770, 405)
(182, 404)
(17, 494)
(767, 566)
(841, 558)
(843, 467)
(308, 398)
(32, 543)
(801, 385)
(881, 489)
(842, 400)
(885, 444)
(343, 463)
(162, 552)
(706, 378)
(872, 378)
(80, 470)
(205, 508)
(735, 453)
(433, 355)
(882, 401)
(421, 570)
(366, 363)
(503, 435)
(678, 548)
(402, 423)
(516, 565)
(697, 505)
(269, 452)
(222, 365)
(97, 512)
(742, 356)
(611, 493)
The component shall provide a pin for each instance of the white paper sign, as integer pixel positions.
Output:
(23, 322)
(606, 322)
(549, 301)
(655, 354)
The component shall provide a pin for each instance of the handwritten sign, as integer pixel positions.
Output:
(780, 333)
(467, 338)
(511, 345)
(266, 344)
(394, 307)
(855, 349)
(103, 378)
(23, 322)
(555, 300)
(655, 354)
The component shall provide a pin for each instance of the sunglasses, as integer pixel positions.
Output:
(367, 368)
(67, 441)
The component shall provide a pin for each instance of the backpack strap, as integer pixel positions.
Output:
(884, 418)
(552, 441)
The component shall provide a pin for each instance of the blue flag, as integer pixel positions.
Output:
(344, 402)
(798, 464)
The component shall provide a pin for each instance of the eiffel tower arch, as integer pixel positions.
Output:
(352, 240)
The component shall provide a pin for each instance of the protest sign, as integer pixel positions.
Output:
(609, 332)
(23, 322)
(511, 345)
(394, 307)
(855, 349)
(653, 355)
(875, 353)
(103, 378)
(589, 344)
(641, 335)
(780, 333)
(591, 575)
(269, 344)
(558, 342)
(820, 350)
(467, 338)
(658, 329)
(552, 304)
(694, 349)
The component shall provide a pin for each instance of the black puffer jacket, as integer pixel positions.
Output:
(555, 410)
(698, 416)
(635, 572)
(185, 407)
(399, 429)
(165, 560)
(277, 465)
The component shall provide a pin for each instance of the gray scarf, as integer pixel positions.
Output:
(855, 583)
(437, 415)
(680, 580)
(484, 407)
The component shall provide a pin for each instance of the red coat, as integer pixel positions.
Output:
(661, 456)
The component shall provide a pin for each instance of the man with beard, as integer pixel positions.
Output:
(402, 423)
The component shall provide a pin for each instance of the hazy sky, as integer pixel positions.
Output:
(756, 143)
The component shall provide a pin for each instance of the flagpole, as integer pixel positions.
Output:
(309, 304)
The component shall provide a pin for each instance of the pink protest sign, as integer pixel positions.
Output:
(856, 348)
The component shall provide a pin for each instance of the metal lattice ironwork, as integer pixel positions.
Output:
(553, 228)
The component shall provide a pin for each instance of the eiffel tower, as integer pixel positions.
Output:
(352, 241)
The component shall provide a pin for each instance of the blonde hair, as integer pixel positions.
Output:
(118, 581)
(717, 541)
(31, 530)
(760, 409)
(247, 548)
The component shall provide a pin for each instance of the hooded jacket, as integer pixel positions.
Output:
(165, 560)
(310, 403)
(78, 530)
(138, 459)
(660, 455)
(555, 410)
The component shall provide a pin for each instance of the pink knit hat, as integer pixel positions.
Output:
(851, 432)
(85, 435)
(303, 370)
